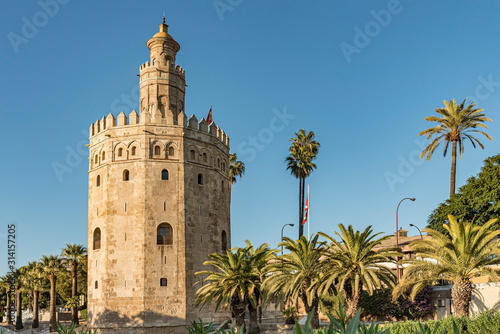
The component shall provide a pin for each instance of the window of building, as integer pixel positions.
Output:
(163, 282)
(205, 158)
(97, 238)
(171, 151)
(223, 166)
(200, 178)
(126, 175)
(134, 150)
(192, 156)
(164, 234)
(98, 181)
(103, 156)
(96, 285)
(164, 174)
(120, 152)
(218, 163)
(96, 159)
(157, 150)
(222, 185)
(224, 241)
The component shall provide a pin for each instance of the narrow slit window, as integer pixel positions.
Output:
(97, 238)
(200, 178)
(103, 156)
(171, 151)
(120, 152)
(205, 158)
(163, 282)
(224, 241)
(98, 181)
(164, 174)
(96, 285)
(192, 155)
(157, 150)
(126, 175)
(134, 150)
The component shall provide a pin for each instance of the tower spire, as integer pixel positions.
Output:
(163, 17)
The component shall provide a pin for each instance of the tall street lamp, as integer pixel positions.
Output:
(397, 233)
(418, 230)
(282, 235)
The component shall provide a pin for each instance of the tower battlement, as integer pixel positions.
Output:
(200, 127)
(168, 65)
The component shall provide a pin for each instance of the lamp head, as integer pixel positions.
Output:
(412, 199)
(292, 225)
(412, 225)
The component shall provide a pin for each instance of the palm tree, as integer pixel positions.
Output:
(257, 261)
(232, 284)
(6, 283)
(236, 168)
(33, 281)
(298, 275)
(72, 255)
(455, 126)
(51, 265)
(303, 151)
(466, 251)
(356, 265)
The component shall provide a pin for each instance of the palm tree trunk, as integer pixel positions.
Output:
(253, 324)
(301, 230)
(461, 294)
(352, 298)
(301, 207)
(312, 306)
(35, 323)
(53, 321)
(19, 308)
(9, 314)
(238, 309)
(74, 310)
(453, 168)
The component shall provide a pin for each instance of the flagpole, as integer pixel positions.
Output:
(308, 215)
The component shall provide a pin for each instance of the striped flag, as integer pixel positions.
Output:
(306, 209)
(209, 117)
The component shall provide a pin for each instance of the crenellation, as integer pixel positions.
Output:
(213, 128)
(133, 118)
(110, 121)
(203, 125)
(97, 126)
(103, 123)
(122, 119)
(193, 122)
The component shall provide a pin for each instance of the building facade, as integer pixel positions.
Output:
(159, 199)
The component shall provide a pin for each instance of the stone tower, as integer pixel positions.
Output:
(158, 204)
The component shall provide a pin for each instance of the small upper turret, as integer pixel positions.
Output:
(162, 47)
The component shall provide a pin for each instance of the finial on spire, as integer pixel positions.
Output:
(163, 17)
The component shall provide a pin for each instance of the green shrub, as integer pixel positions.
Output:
(83, 313)
(329, 304)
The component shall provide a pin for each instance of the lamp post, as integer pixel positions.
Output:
(418, 230)
(397, 233)
(282, 235)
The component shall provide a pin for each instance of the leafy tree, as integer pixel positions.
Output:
(51, 266)
(455, 126)
(33, 281)
(478, 200)
(297, 274)
(236, 168)
(467, 251)
(303, 151)
(72, 255)
(5, 284)
(353, 265)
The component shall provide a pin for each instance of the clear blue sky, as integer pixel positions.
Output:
(363, 80)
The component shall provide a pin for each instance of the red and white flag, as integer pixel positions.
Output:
(209, 117)
(306, 209)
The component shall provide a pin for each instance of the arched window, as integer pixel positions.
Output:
(164, 234)
(98, 181)
(97, 238)
(192, 155)
(133, 150)
(223, 166)
(96, 159)
(205, 157)
(224, 241)
(126, 175)
(218, 163)
(200, 178)
(164, 174)
(163, 282)
(157, 150)
(96, 285)
(120, 152)
(171, 151)
(103, 156)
